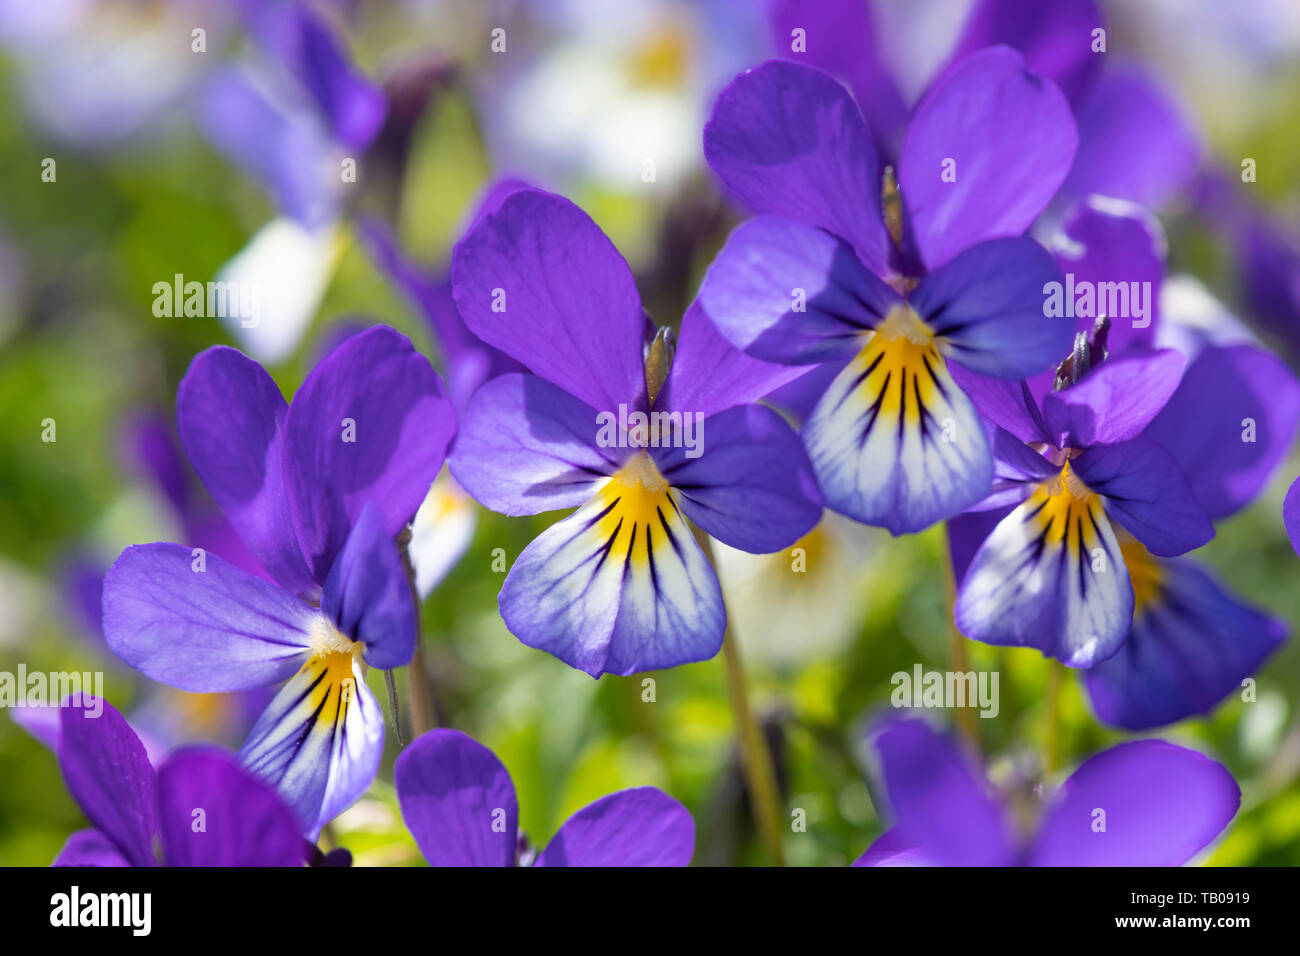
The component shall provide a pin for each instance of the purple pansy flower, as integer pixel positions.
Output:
(1142, 803)
(317, 489)
(200, 807)
(621, 585)
(459, 803)
(1052, 574)
(1227, 426)
(819, 280)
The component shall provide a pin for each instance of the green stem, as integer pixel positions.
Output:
(1055, 677)
(959, 659)
(756, 758)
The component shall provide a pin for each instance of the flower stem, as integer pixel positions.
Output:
(958, 658)
(756, 758)
(419, 691)
(1055, 676)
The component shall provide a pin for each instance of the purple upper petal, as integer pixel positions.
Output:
(840, 37)
(229, 414)
(710, 375)
(215, 629)
(1113, 240)
(1147, 493)
(468, 361)
(1012, 138)
(1134, 142)
(752, 487)
(941, 806)
(788, 292)
(1191, 645)
(526, 446)
(640, 827)
(986, 305)
(1229, 425)
(369, 596)
(788, 140)
(1007, 404)
(457, 801)
(1115, 401)
(1055, 38)
(303, 42)
(293, 158)
(110, 777)
(371, 422)
(212, 812)
(539, 280)
(89, 848)
(1162, 804)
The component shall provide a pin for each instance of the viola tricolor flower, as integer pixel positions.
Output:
(1143, 803)
(140, 815)
(621, 585)
(820, 279)
(1052, 574)
(459, 803)
(318, 490)
(1228, 424)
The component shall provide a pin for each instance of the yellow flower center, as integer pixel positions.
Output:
(637, 508)
(1068, 511)
(901, 365)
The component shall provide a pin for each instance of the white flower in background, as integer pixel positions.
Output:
(616, 87)
(287, 268)
(441, 532)
(787, 616)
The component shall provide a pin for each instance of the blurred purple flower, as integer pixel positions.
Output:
(1143, 803)
(459, 803)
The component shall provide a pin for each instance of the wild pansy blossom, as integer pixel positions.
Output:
(134, 808)
(1228, 423)
(459, 803)
(621, 585)
(820, 280)
(1052, 574)
(1162, 805)
(317, 489)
